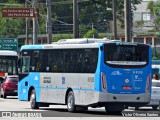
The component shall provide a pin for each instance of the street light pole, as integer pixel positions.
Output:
(75, 19)
(114, 18)
(35, 26)
(127, 9)
(49, 21)
(26, 42)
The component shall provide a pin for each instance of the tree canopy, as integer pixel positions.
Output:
(155, 13)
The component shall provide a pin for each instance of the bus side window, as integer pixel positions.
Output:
(32, 65)
(55, 61)
(79, 66)
(94, 60)
(72, 62)
(66, 61)
(86, 65)
(38, 61)
(60, 61)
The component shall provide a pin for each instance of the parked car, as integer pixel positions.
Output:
(9, 86)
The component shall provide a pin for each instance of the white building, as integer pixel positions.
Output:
(143, 14)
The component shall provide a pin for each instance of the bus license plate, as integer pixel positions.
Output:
(126, 87)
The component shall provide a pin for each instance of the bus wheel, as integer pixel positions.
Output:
(4, 96)
(71, 102)
(33, 103)
(1, 96)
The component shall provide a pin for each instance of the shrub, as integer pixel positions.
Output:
(91, 34)
(61, 36)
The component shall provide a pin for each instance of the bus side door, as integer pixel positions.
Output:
(23, 81)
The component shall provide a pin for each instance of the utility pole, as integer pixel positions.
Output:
(127, 8)
(49, 21)
(75, 19)
(35, 25)
(26, 5)
(114, 7)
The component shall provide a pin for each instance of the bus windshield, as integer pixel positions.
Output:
(8, 64)
(126, 55)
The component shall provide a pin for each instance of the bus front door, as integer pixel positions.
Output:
(23, 82)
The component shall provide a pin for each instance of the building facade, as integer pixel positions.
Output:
(143, 17)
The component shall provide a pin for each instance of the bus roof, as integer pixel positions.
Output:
(58, 46)
(8, 53)
(71, 43)
(76, 43)
(84, 41)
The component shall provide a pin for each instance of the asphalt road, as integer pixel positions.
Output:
(18, 109)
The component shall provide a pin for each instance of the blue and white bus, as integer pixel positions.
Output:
(109, 74)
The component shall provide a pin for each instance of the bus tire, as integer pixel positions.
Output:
(33, 103)
(71, 102)
(1, 96)
(4, 96)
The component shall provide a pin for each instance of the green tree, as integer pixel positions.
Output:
(91, 34)
(10, 27)
(138, 25)
(154, 8)
(97, 12)
(155, 13)
(154, 58)
(62, 16)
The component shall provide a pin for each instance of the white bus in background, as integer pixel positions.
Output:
(8, 63)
